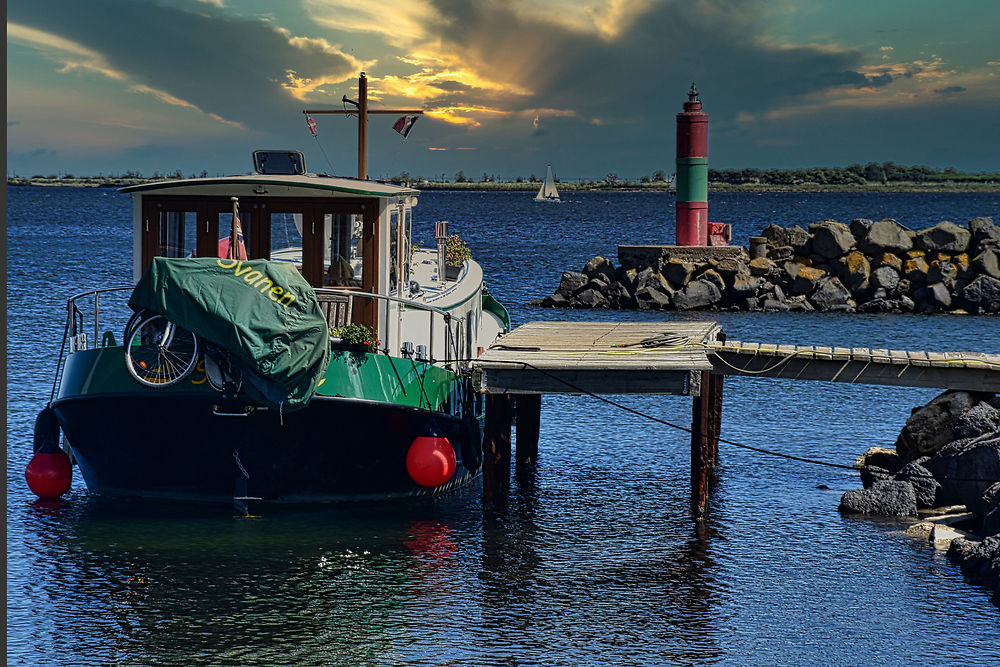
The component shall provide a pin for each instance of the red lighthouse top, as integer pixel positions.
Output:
(693, 105)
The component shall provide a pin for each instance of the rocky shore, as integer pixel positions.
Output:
(944, 469)
(864, 266)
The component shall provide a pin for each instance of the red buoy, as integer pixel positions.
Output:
(431, 460)
(49, 473)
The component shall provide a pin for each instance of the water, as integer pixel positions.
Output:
(596, 560)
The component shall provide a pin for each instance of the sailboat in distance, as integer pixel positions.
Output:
(548, 190)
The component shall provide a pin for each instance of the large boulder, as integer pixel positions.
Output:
(983, 294)
(987, 263)
(985, 233)
(831, 239)
(966, 469)
(886, 236)
(600, 267)
(853, 269)
(884, 277)
(831, 295)
(980, 561)
(697, 294)
(930, 427)
(945, 236)
(678, 272)
(648, 298)
(570, 283)
(793, 237)
(980, 419)
(806, 278)
(926, 488)
(591, 298)
(886, 498)
(619, 296)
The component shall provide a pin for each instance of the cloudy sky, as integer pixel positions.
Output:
(591, 87)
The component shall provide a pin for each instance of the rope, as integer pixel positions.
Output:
(62, 348)
(579, 390)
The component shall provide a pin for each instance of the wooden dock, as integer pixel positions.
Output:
(680, 358)
(971, 371)
(598, 357)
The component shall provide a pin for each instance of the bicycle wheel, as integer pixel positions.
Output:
(159, 353)
(133, 322)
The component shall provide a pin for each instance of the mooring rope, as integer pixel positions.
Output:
(760, 450)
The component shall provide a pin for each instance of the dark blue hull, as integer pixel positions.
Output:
(334, 450)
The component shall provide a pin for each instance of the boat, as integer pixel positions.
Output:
(327, 360)
(548, 191)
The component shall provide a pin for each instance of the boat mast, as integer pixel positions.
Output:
(362, 111)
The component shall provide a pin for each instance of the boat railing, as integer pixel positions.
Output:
(91, 303)
(87, 311)
(456, 330)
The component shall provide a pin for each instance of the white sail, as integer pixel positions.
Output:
(548, 190)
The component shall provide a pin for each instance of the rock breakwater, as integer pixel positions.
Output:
(861, 266)
(946, 466)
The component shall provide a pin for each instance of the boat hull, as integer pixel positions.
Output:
(334, 450)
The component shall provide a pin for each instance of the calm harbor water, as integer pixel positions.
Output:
(596, 560)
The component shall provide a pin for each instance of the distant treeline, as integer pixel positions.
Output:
(872, 176)
(855, 174)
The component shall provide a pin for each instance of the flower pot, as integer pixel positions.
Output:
(451, 272)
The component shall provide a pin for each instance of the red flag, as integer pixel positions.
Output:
(404, 123)
(312, 125)
(227, 248)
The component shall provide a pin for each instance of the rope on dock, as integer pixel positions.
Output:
(760, 450)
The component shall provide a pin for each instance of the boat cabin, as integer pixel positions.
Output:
(339, 232)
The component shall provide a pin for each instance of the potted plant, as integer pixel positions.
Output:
(354, 337)
(455, 254)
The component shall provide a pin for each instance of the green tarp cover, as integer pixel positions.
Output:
(263, 312)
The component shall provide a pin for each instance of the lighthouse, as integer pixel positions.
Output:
(692, 173)
(693, 227)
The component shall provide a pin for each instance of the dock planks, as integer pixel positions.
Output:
(609, 358)
(971, 371)
(598, 357)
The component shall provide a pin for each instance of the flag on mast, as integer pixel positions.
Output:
(404, 123)
(312, 125)
(232, 246)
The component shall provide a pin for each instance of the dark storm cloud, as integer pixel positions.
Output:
(226, 66)
(648, 66)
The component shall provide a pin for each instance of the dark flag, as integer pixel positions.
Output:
(404, 123)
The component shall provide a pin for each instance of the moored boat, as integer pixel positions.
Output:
(243, 377)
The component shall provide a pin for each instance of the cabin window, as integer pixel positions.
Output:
(178, 233)
(286, 237)
(342, 256)
(399, 249)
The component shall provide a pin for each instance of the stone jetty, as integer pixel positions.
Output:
(945, 472)
(863, 266)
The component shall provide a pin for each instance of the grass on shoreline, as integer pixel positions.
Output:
(602, 186)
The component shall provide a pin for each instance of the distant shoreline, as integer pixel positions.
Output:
(598, 186)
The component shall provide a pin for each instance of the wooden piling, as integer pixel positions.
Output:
(701, 452)
(529, 415)
(496, 451)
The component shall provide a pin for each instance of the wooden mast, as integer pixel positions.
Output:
(362, 110)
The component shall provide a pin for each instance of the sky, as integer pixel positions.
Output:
(507, 86)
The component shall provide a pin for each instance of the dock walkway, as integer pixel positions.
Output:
(680, 358)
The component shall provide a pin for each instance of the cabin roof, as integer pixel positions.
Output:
(334, 184)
